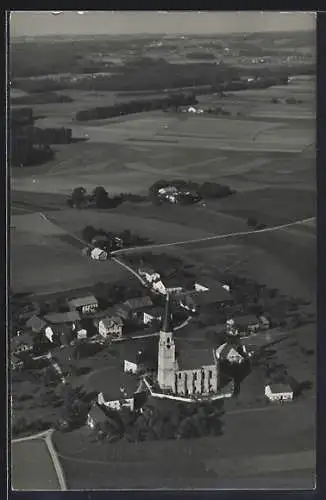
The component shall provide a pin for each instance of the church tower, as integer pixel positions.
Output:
(166, 351)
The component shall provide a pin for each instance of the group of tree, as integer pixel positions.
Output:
(204, 190)
(164, 420)
(41, 98)
(109, 240)
(99, 198)
(136, 106)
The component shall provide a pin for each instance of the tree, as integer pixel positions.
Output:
(88, 233)
(101, 198)
(78, 196)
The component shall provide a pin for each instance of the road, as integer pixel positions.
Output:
(212, 238)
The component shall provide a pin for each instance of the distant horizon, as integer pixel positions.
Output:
(33, 24)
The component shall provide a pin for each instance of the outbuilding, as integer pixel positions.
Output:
(279, 392)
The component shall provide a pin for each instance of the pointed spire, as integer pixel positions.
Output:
(167, 322)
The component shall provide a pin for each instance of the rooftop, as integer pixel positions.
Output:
(35, 323)
(138, 302)
(83, 301)
(190, 358)
(97, 414)
(109, 321)
(279, 388)
(67, 317)
(118, 385)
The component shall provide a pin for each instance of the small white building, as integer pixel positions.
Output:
(111, 327)
(158, 286)
(84, 305)
(98, 254)
(149, 274)
(279, 392)
(227, 352)
(130, 366)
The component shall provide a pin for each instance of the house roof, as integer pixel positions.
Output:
(280, 388)
(154, 310)
(25, 338)
(209, 283)
(121, 386)
(97, 414)
(224, 350)
(83, 301)
(96, 252)
(67, 317)
(140, 350)
(35, 323)
(109, 321)
(138, 302)
(191, 359)
(246, 320)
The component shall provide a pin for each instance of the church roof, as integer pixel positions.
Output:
(191, 359)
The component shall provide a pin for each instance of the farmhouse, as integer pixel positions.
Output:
(36, 324)
(227, 352)
(60, 318)
(279, 392)
(96, 416)
(22, 344)
(120, 392)
(111, 327)
(149, 274)
(243, 325)
(99, 254)
(84, 305)
(59, 334)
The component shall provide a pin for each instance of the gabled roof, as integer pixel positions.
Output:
(67, 317)
(25, 338)
(83, 301)
(112, 320)
(121, 386)
(225, 350)
(35, 323)
(279, 388)
(138, 302)
(97, 414)
(246, 320)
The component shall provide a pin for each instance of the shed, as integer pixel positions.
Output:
(279, 392)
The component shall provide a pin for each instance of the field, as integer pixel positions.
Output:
(32, 467)
(201, 463)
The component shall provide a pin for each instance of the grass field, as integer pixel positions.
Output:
(196, 463)
(32, 467)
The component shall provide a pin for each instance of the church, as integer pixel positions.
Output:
(195, 373)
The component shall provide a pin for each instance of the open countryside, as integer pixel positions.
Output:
(163, 261)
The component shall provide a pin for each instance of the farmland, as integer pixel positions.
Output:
(263, 150)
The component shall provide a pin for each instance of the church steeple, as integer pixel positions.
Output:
(166, 351)
(167, 320)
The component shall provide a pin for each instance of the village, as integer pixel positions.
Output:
(149, 333)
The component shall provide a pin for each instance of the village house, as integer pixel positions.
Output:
(99, 254)
(149, 314)
(85, 305)
(210, 284)
(149, 274)
(243, 325)
(36, 324)
(59, 334)
(22, 344)
(70, 317)
(110, 327)
(120, 391)
(130, 308)
(279, 392)
(227, 352)
(96, 417)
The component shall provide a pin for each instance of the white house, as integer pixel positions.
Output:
(149, 274)
(85, 305)
(98, 254)
(158, 286)
(279, 392)
(130, 366)
(111, 327)
(227, 352)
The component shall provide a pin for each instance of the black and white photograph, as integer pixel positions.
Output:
(162, 250)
